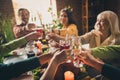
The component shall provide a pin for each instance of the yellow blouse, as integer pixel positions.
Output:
(70, 30)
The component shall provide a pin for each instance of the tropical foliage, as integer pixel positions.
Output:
(6, 27)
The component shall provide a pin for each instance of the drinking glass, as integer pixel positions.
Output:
(39, 30)
(76, 49)
(48, 29)
(31, 49)
(64, 44)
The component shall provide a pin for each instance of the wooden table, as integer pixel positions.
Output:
(24, 77)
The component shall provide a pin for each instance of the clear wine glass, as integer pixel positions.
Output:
(48, 29)
(39, 30)
(31, 49)
(65, 44)
(76, 49)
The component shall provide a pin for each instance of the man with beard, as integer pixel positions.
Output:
(24, 27)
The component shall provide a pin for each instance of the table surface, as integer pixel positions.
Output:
(20, 57)
(15, 58)
(24, 77)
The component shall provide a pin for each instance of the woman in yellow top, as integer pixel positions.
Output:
(69, 26)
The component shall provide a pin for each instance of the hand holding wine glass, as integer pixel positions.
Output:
(76, 49)
(64, 44)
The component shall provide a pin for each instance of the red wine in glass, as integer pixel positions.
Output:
(40, 30)
(30, 54)
(64, 46)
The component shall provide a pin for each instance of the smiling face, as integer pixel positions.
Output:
(102, 24)
(64, 18)
(24, 16)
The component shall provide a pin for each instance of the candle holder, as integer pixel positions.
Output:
(68, 75)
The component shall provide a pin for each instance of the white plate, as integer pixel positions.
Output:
(13, 59)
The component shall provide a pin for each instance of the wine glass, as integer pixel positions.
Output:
(40, 31)
(31, 49)
(65, 44)
(48, 29)
(76, 49)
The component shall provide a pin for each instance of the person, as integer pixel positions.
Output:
(24, 27)
(90, 58)
(69, 26)
(8, 71)
(107, 70)
(109, 54)
(5, 48)
(58, 58)
(106, 31)
(12, 70)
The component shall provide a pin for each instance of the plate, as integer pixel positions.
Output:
(13, 59)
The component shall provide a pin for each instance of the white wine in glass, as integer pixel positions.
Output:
(76, 48)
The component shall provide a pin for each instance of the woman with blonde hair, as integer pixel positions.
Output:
(106, 31)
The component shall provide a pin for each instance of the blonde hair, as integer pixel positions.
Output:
(113, 24)
(113, 21)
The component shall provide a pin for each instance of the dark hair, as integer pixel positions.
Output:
(22, 9)
(69, 14)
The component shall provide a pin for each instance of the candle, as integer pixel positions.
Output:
(68, 75)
